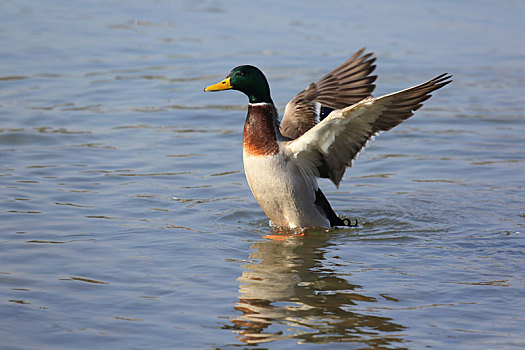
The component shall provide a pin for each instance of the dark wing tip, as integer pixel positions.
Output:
(440, 81)
(444, 78)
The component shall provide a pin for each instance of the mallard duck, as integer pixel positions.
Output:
(323, 129)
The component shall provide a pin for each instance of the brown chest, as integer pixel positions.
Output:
(259, 137)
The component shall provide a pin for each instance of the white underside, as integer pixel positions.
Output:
(285, 193)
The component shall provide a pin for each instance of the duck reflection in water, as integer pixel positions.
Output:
(290, 293)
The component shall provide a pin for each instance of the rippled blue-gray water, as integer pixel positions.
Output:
(126, 221)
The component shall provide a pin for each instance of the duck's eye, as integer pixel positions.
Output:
(242, 74)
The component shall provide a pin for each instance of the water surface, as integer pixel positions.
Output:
(126, 221)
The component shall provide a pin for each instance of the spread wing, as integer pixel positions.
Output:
(344, 86)
(330, 146)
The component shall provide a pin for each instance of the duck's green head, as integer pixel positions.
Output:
(247, 79)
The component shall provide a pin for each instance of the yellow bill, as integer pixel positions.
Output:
(223, 85)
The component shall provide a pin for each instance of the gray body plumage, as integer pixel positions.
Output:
(285, 193)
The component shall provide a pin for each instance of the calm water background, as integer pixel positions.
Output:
(126, 221)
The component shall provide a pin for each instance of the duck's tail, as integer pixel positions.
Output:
(323, 205)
